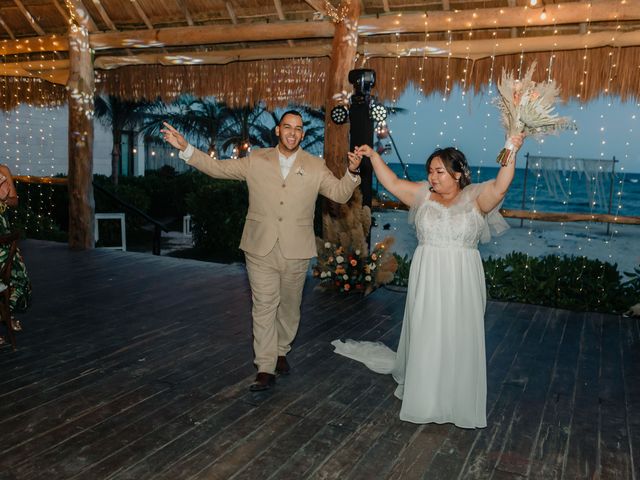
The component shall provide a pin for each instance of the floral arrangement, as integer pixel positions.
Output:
(351, 271)
(527, 107)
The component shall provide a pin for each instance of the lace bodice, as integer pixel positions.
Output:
(460, 225)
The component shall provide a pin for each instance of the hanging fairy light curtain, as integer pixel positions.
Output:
(598, 175)
(30, 107)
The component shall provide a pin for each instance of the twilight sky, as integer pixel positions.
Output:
(607, 127)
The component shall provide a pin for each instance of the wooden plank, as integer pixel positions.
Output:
(552, 437)
(536, 365)
(630, 345)
(308, 441)
(339, 443)
(323, 365)
(613, 435)
(582, 459)
(135, 383)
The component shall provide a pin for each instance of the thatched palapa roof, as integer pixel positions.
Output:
(277, 51)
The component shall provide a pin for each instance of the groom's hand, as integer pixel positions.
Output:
(173, 137)
(354, 162)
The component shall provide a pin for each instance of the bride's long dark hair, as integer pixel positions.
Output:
(454, 161)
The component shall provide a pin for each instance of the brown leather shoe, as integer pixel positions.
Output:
(282, 366)
(263, 381)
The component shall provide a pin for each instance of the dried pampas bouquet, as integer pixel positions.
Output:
(527, 106)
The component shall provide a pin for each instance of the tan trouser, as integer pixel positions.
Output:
(276, 290)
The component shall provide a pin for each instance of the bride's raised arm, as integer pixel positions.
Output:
(404, 190)
(495, 191)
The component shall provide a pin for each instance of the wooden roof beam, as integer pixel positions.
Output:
(559, 14)
(439, 21)
(474, 49)
(280, 12)
(7, 29)
(185, 12)
(317, 5)
(51, 43)
(29, 17)
(64, 13)
(385, 6)
(232, 13)
(141, 14)
(104, 15)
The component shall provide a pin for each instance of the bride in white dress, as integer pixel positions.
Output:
(440, 366)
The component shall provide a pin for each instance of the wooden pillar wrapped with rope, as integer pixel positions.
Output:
(80, 91)
(345, 225)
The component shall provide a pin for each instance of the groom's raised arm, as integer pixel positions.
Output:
(235, 169)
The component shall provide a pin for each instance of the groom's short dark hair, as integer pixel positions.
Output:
(290, 112)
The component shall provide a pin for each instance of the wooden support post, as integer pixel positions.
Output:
(80, 100)
(343, 54)
(345, 225)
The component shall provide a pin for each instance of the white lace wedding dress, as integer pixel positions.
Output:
(440, 366)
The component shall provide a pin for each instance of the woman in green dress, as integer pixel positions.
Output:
(19, 285)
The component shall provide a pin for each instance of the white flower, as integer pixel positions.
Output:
(357, 252)
(372, 266)
(300, 171)
(323, 275)
(328, 274)
(345, 276)
(367, 278)
(327, 245)
(339, 259)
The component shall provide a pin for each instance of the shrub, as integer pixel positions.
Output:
(401, 277)
(570, 282)
(218, 210)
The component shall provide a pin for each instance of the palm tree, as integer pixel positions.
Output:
(244, 127)
(200, 119)
(119, 115)
(313, 129)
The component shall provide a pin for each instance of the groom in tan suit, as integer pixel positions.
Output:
(278, 239)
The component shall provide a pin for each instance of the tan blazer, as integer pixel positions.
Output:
(279, 209)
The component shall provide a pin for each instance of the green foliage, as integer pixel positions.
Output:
(401, 277)
(218, 209)
(634, 279)
(569, 282)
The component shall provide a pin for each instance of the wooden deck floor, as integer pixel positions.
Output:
(136, 367)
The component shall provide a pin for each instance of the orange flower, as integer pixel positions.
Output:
(374, 257)
(353, 263)
(347, 287)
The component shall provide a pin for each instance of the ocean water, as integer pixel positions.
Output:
(567, 193)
